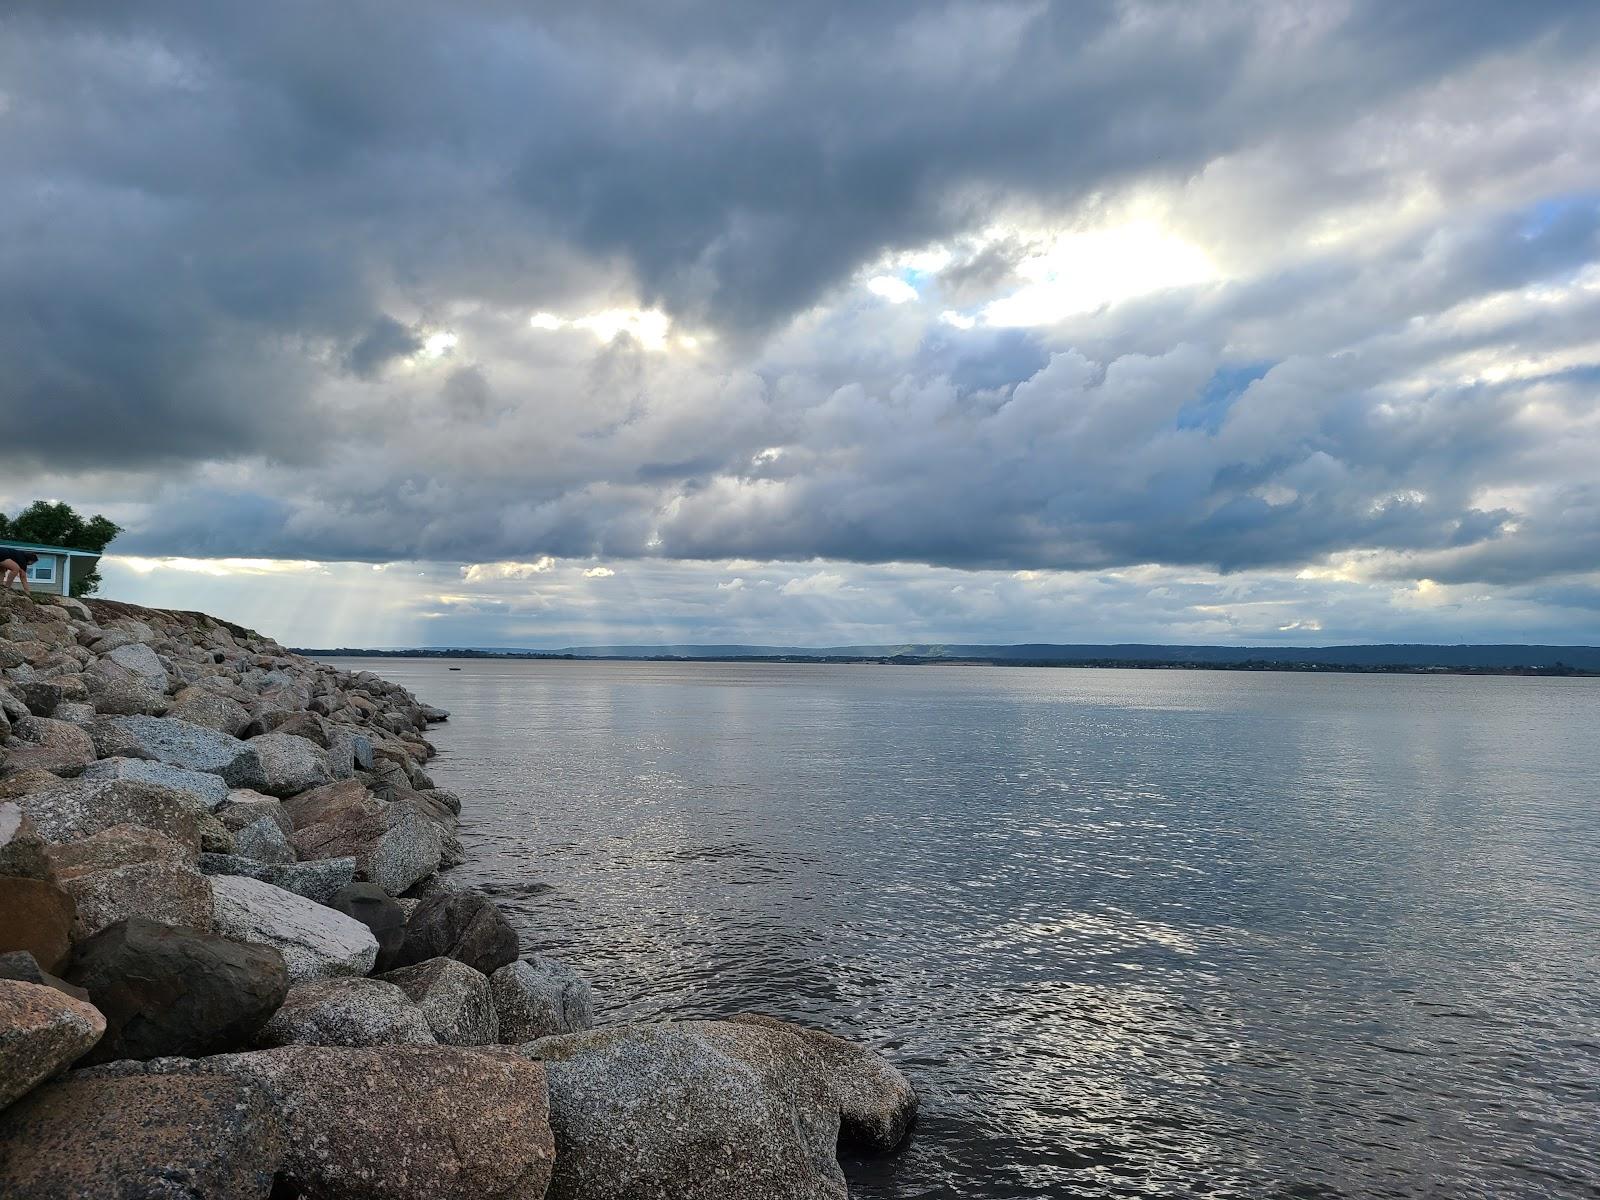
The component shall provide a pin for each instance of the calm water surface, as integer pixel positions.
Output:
(1132, 933)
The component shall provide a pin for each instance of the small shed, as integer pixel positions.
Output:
(56, 567)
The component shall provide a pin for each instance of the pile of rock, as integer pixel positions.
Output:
(220, 899)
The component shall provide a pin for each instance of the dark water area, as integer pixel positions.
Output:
(1131, 933)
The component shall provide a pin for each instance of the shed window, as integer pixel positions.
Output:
(43, 571)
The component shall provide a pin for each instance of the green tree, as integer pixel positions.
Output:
(58, 525)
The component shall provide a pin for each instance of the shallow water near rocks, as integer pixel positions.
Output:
(1131, 933)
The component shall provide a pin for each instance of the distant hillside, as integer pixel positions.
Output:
(1415, 656)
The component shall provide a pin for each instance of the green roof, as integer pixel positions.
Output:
(16, 545)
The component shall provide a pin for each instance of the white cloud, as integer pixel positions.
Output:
(895, 291)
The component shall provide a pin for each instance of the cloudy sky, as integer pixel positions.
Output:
(486, 323)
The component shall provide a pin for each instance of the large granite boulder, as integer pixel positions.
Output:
(168, 990)
(290, 764)
(245, 807)
(393, 846)
(124, 1134)
(195, 748)
(22, 850)
(200, 706)
(42, 1032)
(346, 1012)
(538, 997)
(80, 808)
(117, 846)
(38, 918)
(40, 695)
(264, 841)
(207, 792)
(171, 892)
(118, 694)
(377, 910)
(315, 941)
(460, 925)
(406, 1122)
(332, 803)
(698, 1110)
(454, 998)
(142, 663)
(59, 747)
(318, 881)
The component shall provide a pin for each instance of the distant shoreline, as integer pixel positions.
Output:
(1552, 670)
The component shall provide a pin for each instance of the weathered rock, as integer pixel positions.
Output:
(81, 715)
(303, 724)
(22, 850)
(263, 840)
(331, 803)
(460, 925)
(169, 990)
(245, 807)
(118, 1132)
(122, 695)
(318, 880)
(877, 1103)
(17, 784)
(358, 746)
(290, 764)
(214, 835)
(171, 892)
(376, 909)
(695, 1110)
(346, 1012)
(538, 997)
(454, 999)
(393, 847)
(118, 846)
(81, 808)
(195, 748)
(207, 792)
(406, 1122)
(59, 747)
(432, 714)
(42, 1032)
(141, 662)
(38, 919)
(41, 696)
(212, 710)
(315, 941)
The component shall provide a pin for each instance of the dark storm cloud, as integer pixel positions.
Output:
(233, 228)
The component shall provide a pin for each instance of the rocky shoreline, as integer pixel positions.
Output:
(230, 965)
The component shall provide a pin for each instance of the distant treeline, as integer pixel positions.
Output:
(1411, 659)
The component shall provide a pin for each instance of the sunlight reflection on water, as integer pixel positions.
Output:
(1132, 933)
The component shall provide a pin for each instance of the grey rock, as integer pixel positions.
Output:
(245, 807)
(208, 791)
(41, 697)
(196, 748)
(319, 881)
(290, 764)
(81, 808)
(263, 840)
(42, 1032)
(698, 1110)
(170, 892)
(461, 925)
(346, 1012)
(394, 847)
(172, 990)
(377, 910)
(79, 714)
(201, 706)
(539, 997)
(315, 941)
(141, 662)
(59, 747)
(432, 714)
(454, 998)
(122, 695)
